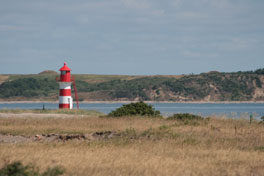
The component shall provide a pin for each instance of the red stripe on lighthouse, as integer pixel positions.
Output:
(65, 92)
(64, 106)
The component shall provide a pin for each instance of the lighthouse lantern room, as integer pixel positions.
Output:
(65, 100)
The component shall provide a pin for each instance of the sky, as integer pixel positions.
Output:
(131, 37)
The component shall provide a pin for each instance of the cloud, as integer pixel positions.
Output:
(242, 43)
(217, 3)
(196, 54)
(137, 4)
(117, 30)
(12, 28)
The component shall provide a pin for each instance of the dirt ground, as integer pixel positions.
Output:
(57, 137)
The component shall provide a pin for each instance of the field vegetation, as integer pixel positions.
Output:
(135, 146)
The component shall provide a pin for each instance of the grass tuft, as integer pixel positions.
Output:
(16, 168)
(184, 116)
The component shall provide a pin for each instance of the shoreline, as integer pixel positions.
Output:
(126, 102)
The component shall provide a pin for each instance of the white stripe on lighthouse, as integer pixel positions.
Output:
(65, 85)
(65, 99)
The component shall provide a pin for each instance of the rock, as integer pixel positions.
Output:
(103, 135)
(38, 137)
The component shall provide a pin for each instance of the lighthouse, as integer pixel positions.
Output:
(65, 100)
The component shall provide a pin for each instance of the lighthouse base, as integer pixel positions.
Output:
(64, 106)
(66, 102)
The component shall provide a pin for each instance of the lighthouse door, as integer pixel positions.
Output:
(70, 102)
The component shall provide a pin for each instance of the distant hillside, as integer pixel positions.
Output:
(48, 72)
(212, 86)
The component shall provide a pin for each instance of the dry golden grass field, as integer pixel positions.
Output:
(133, 146)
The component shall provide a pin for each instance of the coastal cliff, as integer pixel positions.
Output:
(212, 86)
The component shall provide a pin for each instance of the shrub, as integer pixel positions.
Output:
(262, 118)
(18, 169)
(135, 109)
(53, 171)
(184, 116)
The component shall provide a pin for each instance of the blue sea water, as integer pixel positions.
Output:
(230, 110)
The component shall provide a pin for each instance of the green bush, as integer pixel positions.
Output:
(262, 118)
(184, 116)
(18, 169)
(135, 109)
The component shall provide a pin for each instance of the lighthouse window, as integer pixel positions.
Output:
(63, 72)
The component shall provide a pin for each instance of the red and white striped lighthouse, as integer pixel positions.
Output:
(65, 100)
